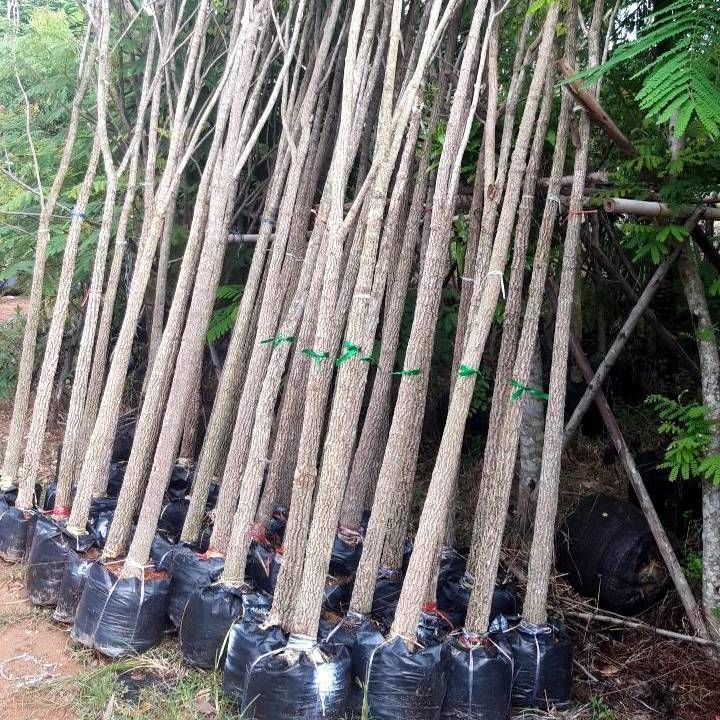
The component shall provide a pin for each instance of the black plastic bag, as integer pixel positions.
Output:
(102, 511)
(172, 517)
(247, 643)
(337, 593)
(275, 530)
(543, 657)
(302, 680)
(120, 616)
(162, 552)
(124, 436)
(608, 552)
(453, 598)
(346, 552)
(189, 572)
(433, 626)
(362, 635)
(480, 678)
(116, 475)
(406, 684)
(72, 584)
(263, 566)
(47, 556)
(206, 622)
(386, 596)
(13, 531)
(180, 480)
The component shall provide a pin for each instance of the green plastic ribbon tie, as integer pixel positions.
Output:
(318, 357)
(278, 340)
(521, 389)
(466, 371)
(350, 352)
(407, 373)
(369, 359)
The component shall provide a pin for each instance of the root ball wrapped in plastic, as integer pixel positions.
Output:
(302, 680)
(453, 598)
(121, 615)
(385, 598)
(48, 554)
(479, 678)
(206, 622)
(72, 584)
(346, 551)
(608, 552)
(263, 566)
(14, 526)
(543, 656)
(189, 572)
(406, 684)
(247, 642)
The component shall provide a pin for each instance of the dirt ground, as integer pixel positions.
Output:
(10, 306)
(33, 654)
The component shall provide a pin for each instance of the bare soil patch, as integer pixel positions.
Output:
(11, 306)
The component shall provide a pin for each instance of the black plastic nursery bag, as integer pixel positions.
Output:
(543, 657)
(121, 616)
(189, 572)
(303, 680)
(72, 584)
(406, 684)
(480, 676)
(386, 596)
(263, 566)
(13, 531)
(206, 622)
(346, 552)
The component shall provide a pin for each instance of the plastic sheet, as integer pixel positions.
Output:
(608, 552)
(263, 566)
(47, 556)
(386, 596)
(208, 616)
(13, 531)
(102, 511)
(404, 684)
(116, 476)
(121, 616)
(189, 572)
(480, 677)
(162, 552)
(543, 657)
(362, 635)
(72, 585)
(433, 626)
(302, 680)
(346, 552)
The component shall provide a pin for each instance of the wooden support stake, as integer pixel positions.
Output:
(663, 542)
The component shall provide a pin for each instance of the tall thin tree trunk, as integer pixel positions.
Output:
(13, 449)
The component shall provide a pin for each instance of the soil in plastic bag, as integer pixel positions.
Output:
(162, 552)
(406, 684)
(72, 584)
(263, 566)
(47, 556)
(433, 626)
(121, 616)
(386, 596)
(298, 684)
(608, 552)
(209, 613)
(337, 593)
(102, 512)
(453, 597)
(124, 436)
(346, 552)
(180, 480)
(13, 531)
(189, 572)
(275, 530)
(480, 677)
(543, 657)
(247, 643)
(172, 517)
